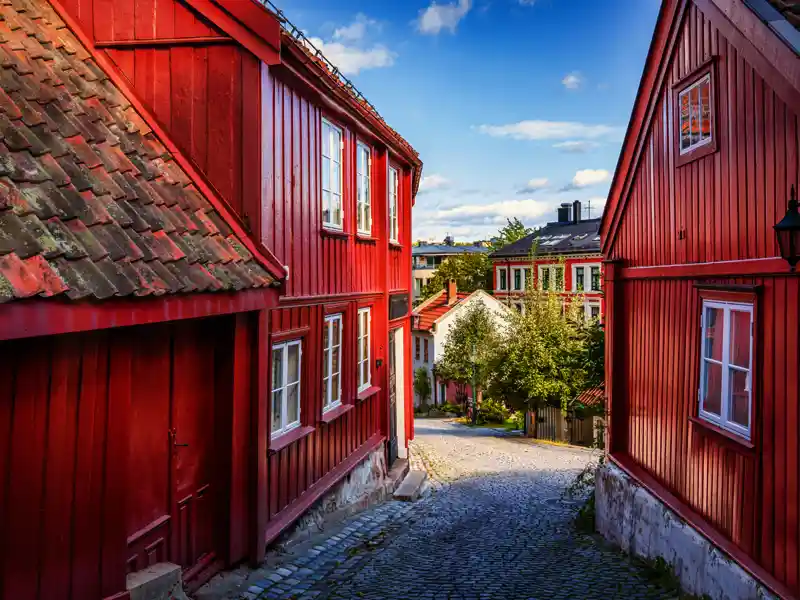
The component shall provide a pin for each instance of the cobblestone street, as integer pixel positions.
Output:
(495, 524)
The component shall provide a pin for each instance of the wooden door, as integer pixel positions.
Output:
(392, 398)
(172, 514)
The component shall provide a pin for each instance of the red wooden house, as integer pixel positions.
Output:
(204, 288)
(563, 257)
(701, 310)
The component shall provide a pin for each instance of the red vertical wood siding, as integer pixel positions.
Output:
(723, 206)
(127, 20)
(719, 480)
(728, 201)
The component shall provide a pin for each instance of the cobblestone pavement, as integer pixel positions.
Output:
(495, 524)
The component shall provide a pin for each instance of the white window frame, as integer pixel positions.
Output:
(588, 309)
(552, 268)
(392, 190)
(513, 279)
(500, 272)
(364, 385)
(687, 92)
(328, 162)
(724, 420)
(587, 278)
(283, 347)
(329, 400)
(363, 189)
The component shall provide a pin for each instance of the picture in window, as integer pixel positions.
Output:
(695, 114)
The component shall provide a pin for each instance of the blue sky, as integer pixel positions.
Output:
(514, 105)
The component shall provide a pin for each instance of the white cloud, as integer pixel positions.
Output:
(549, 130)
(356, 30)
(433, 182)
(495, 212)
(351, 60)
(534, 185)
(573, 81)
(436, 17)
(575, 146)
(587, 177)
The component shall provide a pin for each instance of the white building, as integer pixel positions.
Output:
(432, 320)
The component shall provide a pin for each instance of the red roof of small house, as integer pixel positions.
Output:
(591, 397)
(92, 205)
(435, 308)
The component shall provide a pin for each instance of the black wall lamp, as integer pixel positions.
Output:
(788, 232)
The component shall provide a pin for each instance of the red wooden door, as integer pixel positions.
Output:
(192, 437)
(172, 509)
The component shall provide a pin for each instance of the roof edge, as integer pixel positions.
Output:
(262, 254)
(427, 302)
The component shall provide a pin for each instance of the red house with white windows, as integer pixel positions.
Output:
(204, 288)
(563, 257)
(702, 332)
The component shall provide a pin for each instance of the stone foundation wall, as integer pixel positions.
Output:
(635, 520)
(366, 485)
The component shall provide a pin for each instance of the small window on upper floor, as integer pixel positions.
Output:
(394, 184)
(695, 107)
(694, 116)
(332, 213)
(363, 164)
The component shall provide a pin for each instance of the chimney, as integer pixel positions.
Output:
(452, 292)
(563, 213)
(576, 211)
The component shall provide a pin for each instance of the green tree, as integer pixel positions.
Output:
(470, 348)
(541, 359)
(472, 271)
(422, 386)
(513, 231)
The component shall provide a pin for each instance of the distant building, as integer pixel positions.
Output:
(431, 321)
(427, 258)
(567, 260)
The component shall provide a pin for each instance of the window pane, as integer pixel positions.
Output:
(294, 363)
(335, 367)
(579, 278)
(685, 136)
(712, 388)
(337, 330)
(740, 338)
(595, 312)
(337, 209)
(740, 398)
(293, 403)
(695, 112)
(326, 140)
(368, 217)
(325, 383)
(325, 356)
(559, 278)
(327, 215)
(277, 368)
(705, 109)
(364, 346)
(326, 174)
(712, 345)
(276, 410)
(364, 372)
(546, 279)
(335, 392)
(595, 279)
(335, 178)
(326, 334)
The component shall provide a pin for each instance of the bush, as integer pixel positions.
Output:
(456, 409)
(492, 411)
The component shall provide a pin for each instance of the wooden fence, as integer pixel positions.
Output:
(550, 423)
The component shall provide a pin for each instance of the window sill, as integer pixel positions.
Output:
(366, 238)
(397, 246)
(723, 435)
(334, 233)
(335, 413)
(290, 437)
(368, 393)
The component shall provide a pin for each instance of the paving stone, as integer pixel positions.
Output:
(492, 523)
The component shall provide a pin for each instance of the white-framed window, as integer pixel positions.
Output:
(726, 368)
(286, 364)
(551, 278)
(586, 278)
(332, 362)
(518, 279)
(695, 106)
(394, 184)
(502, 279)
(332, 146)
(592, 310)
(363, 191)
(364, 325)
